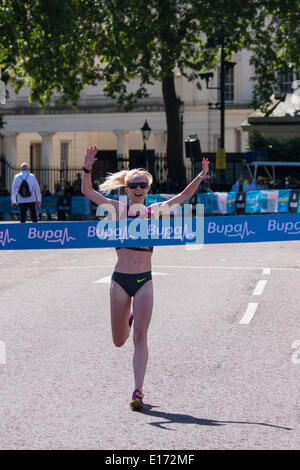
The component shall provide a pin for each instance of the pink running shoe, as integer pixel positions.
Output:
(137, 402)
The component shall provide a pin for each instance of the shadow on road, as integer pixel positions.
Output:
(175, 418)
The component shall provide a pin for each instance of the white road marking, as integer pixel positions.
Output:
(260, 287)
(250, 268)
(266, 271)
(2, 352)
(249, 314)
(103, 280)
(107, 279)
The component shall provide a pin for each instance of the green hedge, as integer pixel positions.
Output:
(284, 149)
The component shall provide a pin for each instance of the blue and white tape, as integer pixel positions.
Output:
(140, 232)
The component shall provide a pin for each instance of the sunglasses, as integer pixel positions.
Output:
(136, 185)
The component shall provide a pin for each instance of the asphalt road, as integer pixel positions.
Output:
(224, 362)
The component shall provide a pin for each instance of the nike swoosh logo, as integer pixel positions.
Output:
(140, 280)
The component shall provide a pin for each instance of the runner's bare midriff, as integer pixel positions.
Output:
(133, 262)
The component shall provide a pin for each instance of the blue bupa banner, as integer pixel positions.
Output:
(257, 228)
(105, 233)
(143, 233)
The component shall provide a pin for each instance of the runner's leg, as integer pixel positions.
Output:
(142, 311)
(120, 303)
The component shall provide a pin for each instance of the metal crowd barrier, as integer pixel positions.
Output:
(231, 203)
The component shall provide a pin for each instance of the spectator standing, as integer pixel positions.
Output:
(26, 193)
(58, 191)
(205, 186)
(45, 191)
(251, 185)
(239, 185)
(261, 184)
(77, 185)
(68, 189)
(170, 187)
(4, 191)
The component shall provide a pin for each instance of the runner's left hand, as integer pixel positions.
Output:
(205, 167)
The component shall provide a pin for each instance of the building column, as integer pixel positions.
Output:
(47, 148)
(159, 142)
(238, 139)
(11, 148)
(122, 144)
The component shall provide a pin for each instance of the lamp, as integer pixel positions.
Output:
(146, 131)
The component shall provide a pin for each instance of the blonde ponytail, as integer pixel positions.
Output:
(113, 181)
(121, 178)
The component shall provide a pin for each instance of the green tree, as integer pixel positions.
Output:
(151, 39)
(63, 45)
(284, 149)
(45, 46)
(275, 46)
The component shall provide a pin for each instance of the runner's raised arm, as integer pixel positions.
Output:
(86, 184)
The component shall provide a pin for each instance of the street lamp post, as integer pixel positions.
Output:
(146, 131)
(222, 97)
(181, 112)
(225, 66)
(2, 90)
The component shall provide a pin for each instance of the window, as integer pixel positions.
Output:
(35, 156)
(64, 154)
(285, 81)
(229, 85)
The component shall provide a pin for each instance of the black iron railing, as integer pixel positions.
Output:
(56, 178)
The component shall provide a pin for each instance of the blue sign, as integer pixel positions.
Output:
(49, 204)
(143, 233)
(5, 204)
(231, 203)
(253, 201)
(80, 205)
(250, 155)
(283, 200)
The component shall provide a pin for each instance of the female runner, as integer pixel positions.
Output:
(132, 274)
